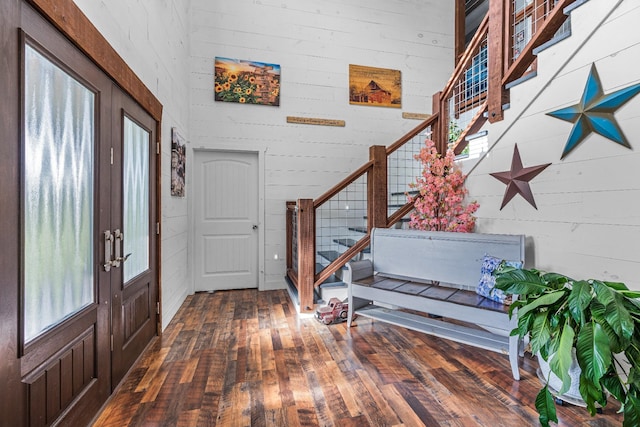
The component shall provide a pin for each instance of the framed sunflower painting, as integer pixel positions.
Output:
(247, 82)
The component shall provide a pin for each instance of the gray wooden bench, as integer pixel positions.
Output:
(435, 273)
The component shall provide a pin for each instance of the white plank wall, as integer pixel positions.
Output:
(588, 219)
(314, 42)
(587, 224)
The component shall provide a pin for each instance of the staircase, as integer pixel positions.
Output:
(326, 233)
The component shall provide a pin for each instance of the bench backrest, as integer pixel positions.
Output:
(447, 257)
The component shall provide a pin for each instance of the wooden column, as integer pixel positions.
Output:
(289, 234)
(306, 253)
(498, 28)
(437, 133)
(377, 188)
(460, 30)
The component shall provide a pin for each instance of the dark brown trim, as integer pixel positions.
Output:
(416, 130)
(159, 222)
(460, 30)
(377, 188)
(12, 408)
(306, 253)
(496, 60)
(342, 184)
(69, 19)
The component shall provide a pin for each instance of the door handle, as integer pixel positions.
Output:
(119, 238)
(255, 227)
(108, 250)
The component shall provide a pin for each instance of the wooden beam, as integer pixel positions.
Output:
(69, 19)
(436, 128)
(377, 188)
(290, 206)
(306, 254)
(460, 29)
(496, 95)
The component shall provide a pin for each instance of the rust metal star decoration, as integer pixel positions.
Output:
(594, 113)
(517, 179)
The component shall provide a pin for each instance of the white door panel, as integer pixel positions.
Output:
(226, 220)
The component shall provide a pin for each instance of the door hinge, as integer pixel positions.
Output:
(158, 307)
(157, 148)
(158, 228)
(111, 342)
(111, 155)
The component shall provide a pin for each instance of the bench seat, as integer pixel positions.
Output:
(435, 273)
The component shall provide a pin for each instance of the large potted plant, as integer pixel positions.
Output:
(597, 321)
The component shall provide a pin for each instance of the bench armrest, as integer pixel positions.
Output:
(357, 270)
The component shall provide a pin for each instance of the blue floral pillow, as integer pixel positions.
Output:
(490, 266)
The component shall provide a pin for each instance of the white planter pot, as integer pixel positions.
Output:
(573, 394)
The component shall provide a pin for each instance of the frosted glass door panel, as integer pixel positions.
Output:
(58, 195)
(136, 199)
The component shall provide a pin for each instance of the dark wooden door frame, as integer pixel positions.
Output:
(12, 409)
(67, 17)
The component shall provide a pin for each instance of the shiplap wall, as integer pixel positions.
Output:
(153, 37)
(313, 41)
(587, 224)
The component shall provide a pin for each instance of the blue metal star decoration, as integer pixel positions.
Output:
(594, 113)
(517, 179)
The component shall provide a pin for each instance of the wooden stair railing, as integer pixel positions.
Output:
(494, 34)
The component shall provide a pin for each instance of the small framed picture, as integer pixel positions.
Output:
(178, 163)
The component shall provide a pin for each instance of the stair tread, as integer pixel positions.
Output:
(362, 230)
(329, 255)
(402, 193)
(350, 243)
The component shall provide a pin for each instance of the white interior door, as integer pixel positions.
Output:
(226, 220)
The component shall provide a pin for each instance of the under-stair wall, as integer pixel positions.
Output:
(587, 221)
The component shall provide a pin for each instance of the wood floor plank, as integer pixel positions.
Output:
(246, 358)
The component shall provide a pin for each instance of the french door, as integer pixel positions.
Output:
(134, 231)
(88, 282)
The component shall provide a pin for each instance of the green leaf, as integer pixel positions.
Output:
(540, 332)
(616, 344)
(521, 282)
(604, 294)
(591, 393)
(524, 324)
(544, 300)
(631, 411)
(618, 286)
(546, 407)
(593, 352)
(562, 359)
(631, 294)
(611, 381)
(619, 318)
(579, 298)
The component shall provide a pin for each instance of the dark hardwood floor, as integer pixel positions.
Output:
(245, 358)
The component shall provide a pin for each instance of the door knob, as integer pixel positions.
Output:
(255, 227)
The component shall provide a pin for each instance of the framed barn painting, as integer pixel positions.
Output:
(178, 163)
(380, 87)
(247, 82)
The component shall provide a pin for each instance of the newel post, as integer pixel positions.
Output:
(377, 188)
(439, 133)
(306, 253)
(497, 45)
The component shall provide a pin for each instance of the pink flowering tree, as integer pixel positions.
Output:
(439, 204)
